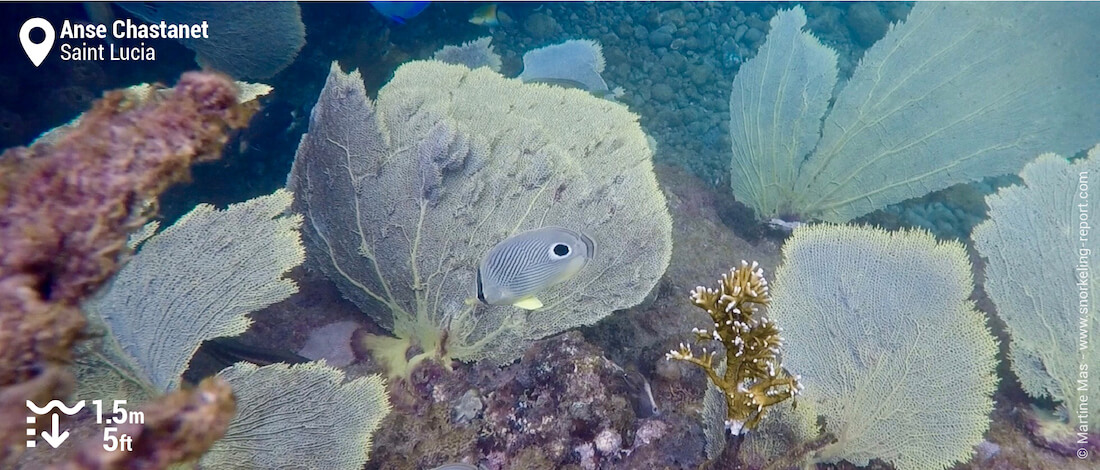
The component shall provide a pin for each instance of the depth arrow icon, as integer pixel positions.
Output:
(56, 438)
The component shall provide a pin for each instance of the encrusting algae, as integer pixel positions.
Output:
(754, 378)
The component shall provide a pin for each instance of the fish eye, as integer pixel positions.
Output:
(559, 250)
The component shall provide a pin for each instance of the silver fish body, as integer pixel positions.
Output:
(517, 269)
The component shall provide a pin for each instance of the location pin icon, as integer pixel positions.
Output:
(36, 52)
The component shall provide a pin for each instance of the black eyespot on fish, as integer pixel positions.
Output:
(561, 249)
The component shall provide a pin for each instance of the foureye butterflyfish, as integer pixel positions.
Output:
(524, 265)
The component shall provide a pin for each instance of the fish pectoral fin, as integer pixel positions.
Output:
(528, 303)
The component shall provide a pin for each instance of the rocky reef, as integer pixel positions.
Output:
(67, 208)
(563, 405)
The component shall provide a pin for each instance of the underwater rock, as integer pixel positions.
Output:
(563, 395)
(673, 61)
(541, 26)
(675, 16)
(615, 57)
(661, 92)
(674, 441)
(740, 32)
(468, 407)
(609, 39)
(701, 73)
(423, 431)
(866, 22)
(1050, 431)
(948, 213)
(609, 442)
(753, 35)
(754, 21)
(332, 343)
(986, 450)
(625, 28)
(661, 37)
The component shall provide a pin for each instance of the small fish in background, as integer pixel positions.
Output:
(399, 12)
(486, 16)
(524, 265)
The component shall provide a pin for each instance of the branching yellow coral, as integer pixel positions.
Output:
(754, 378)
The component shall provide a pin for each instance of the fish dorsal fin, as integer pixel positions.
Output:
(529, 303)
